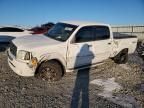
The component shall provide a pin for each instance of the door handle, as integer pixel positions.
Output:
(109, 43)
(89, 45)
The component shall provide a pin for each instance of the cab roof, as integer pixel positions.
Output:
(83, 23)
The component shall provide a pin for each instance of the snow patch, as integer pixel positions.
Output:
(109, 85)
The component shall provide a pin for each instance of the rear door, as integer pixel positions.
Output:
(102, 43)
(81, 51)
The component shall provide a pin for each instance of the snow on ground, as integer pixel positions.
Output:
(109, 86)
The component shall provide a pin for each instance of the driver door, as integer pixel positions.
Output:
(81, 51)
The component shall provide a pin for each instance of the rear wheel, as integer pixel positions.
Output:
(50, 71)
(140, 49)
(122, 57)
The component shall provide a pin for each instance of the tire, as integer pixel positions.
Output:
(121, 58)
(140, 49)
(50, 71)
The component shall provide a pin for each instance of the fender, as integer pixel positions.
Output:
(53, 56)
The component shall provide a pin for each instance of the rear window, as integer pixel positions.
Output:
(10, 29)
(101, 32)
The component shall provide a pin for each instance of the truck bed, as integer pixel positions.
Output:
(123, 41)
(122, 36)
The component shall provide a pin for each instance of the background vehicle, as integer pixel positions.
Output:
(69, 45)
(9, 33)
(38, 30)
(42, 29)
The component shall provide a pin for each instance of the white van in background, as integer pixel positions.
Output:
(9, 33)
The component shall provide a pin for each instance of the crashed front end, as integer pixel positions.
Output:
(21, 62)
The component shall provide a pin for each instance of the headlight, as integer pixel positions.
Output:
(23, 55)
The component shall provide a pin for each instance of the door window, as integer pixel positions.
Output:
(85, 34)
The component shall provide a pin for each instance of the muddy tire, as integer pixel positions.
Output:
(50, 71)
(121, 58)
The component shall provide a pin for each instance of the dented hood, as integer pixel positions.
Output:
(34, 41)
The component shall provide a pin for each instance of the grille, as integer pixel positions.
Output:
(13, 49)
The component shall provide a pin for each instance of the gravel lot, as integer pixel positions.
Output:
(75, 89)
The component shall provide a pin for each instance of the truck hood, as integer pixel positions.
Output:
(34, 41)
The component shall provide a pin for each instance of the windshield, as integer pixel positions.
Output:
(61, 31)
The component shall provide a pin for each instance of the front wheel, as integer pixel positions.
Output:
(121, 58)
(50, 71)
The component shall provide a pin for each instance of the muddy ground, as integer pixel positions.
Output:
(75, 90)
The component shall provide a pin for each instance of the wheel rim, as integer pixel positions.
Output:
(123, 57)
(48, 74)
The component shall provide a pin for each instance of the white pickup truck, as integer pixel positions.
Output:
(69, 45)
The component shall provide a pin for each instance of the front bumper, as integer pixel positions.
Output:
(20, 68)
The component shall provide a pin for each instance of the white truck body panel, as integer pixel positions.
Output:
(130, 43)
